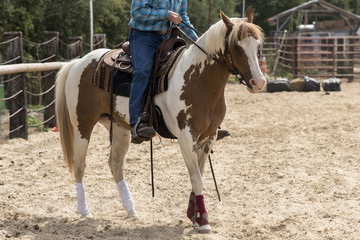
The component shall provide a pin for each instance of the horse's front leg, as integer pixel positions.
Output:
(196, 209)
(202, 151)
(120, 146)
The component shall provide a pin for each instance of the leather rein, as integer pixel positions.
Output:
(234, 71)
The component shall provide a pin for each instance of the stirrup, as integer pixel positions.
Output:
(141, 132)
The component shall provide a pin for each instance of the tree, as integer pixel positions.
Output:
(198, 12)
(21, 15)
(68, 17)
(71, 17)
(112, 17)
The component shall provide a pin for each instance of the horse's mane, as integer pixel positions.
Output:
(215, 36)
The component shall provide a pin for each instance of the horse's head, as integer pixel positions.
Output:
(243, 43)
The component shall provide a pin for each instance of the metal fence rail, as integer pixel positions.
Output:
(331, 56)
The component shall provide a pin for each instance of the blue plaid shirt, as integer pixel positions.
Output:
(152, 15)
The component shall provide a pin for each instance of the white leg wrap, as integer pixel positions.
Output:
(81, 200)
(126, 199)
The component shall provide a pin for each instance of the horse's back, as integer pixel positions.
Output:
(85, 101)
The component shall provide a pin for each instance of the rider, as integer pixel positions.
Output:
(150, 21)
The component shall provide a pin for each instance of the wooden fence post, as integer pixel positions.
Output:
(99, 41)
(51, 51)
(15, 54)
(74, 47)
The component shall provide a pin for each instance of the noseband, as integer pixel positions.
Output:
(234, 71)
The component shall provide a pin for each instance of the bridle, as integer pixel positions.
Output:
(234, 71)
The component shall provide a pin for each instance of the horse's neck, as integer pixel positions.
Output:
(202, 87)
(205, 69)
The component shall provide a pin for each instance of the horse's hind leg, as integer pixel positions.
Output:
(80, 149)
(120, 146)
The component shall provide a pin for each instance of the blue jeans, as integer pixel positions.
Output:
(142, 46)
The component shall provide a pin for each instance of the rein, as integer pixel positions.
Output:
(234, 71)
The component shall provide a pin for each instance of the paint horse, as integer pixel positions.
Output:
(193, 107)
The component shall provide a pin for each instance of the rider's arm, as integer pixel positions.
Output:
(185, 18)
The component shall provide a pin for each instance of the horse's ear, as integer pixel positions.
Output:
(226, 20)
(249, 14)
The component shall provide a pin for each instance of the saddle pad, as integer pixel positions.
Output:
(101, 75)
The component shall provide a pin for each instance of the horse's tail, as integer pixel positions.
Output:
(62, 115)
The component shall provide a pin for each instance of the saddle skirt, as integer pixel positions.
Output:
(108, 65)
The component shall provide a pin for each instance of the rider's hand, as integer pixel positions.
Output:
(174, 17)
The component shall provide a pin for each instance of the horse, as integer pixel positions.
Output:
(193, 107)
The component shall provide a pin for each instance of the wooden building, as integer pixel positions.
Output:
(317, 16)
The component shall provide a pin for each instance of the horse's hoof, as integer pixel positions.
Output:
(132, 214)
(204, 229)
(195, 225)
(88, 215)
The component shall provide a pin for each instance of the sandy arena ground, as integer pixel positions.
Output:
(290, 170)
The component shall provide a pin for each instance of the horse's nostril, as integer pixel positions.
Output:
(252, 82)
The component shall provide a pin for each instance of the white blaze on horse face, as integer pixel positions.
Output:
(250, 46)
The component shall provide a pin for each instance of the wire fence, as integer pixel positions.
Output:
(39, 105)
(32, 112)
(38, 92)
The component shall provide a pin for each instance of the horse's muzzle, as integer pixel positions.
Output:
(257, 85)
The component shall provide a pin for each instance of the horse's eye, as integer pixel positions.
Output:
(238, 47)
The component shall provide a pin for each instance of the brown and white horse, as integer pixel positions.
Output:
(193, 107)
